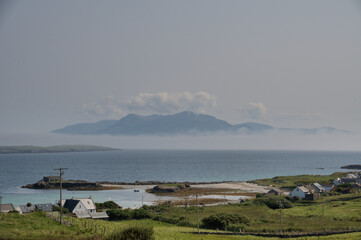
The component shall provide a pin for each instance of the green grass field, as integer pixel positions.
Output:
(294, 181)
(329, 213)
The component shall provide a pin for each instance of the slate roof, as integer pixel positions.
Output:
(276, 190)
(304, 189)
(45, 207)
(70, 204)
(7, 207)
(26, 209)
(319, 186)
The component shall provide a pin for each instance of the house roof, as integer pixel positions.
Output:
(351, 175)
(26, 209)
(88, 203)
(7, 207)
(98, 215)
(319, 186)
(70, 204)
(276, 190)
(82, 215)
(304, 189)
(45, 207)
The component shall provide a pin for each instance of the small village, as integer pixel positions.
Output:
(86, 208)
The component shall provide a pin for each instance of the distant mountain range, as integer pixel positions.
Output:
(183, 123)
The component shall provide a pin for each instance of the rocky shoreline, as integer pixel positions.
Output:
(71, 185)
(138, 183)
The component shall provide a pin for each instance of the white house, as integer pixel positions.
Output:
(300, 192)
(81, 205)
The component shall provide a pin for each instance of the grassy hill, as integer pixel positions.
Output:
(339, 212)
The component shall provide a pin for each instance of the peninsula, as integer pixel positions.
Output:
(53, 149)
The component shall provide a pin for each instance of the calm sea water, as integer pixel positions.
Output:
(161, 165)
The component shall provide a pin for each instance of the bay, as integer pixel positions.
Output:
(17, 170)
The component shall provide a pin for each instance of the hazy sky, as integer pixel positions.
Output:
(285, 63)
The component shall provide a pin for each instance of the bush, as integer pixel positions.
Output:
(126, 214)
(295, 199)
(107, 205)
(57, 209)
(273, 202)
(223, 220)
(344, 188)
(140, 214)
(119, 214)
(133, 233)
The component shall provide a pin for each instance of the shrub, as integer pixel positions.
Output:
(107, 205)
(295, 199)
(133, 233)
(223, 220)
(119, 214)
(57, 209)
(344, 188)
(273, 202)
(126, 214)
(140, 214)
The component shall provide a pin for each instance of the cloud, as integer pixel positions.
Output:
(254, 111)
(148, 103)
(164, 102)
(105, 107)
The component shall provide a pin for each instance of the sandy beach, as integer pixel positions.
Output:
(234, 186)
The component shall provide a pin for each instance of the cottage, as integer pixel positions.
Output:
(301, 192)
(275, 191)
(26, 208)
(318, 188)
(7, 207)
(45, 207)
(85, 205)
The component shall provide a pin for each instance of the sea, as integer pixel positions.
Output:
(17, 170)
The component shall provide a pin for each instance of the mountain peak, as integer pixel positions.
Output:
(183, 123)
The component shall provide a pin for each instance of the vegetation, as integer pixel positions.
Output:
(340, 212)
(63, 209)
(274, 202)
(223, 220)
(128, 214)
(107, 205)
(294, 181)
(37, 225)
(138, 232)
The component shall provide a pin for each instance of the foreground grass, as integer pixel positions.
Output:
(38, 226)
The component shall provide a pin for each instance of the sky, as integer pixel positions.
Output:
(284, 63)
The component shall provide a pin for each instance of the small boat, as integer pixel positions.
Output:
(136, 190)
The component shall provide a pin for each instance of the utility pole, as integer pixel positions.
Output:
(1, 201)
(323, 211)
(61, 186)
(197, 213)
(142, 200)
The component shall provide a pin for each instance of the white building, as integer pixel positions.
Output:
(300, 192)
(81, 205)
